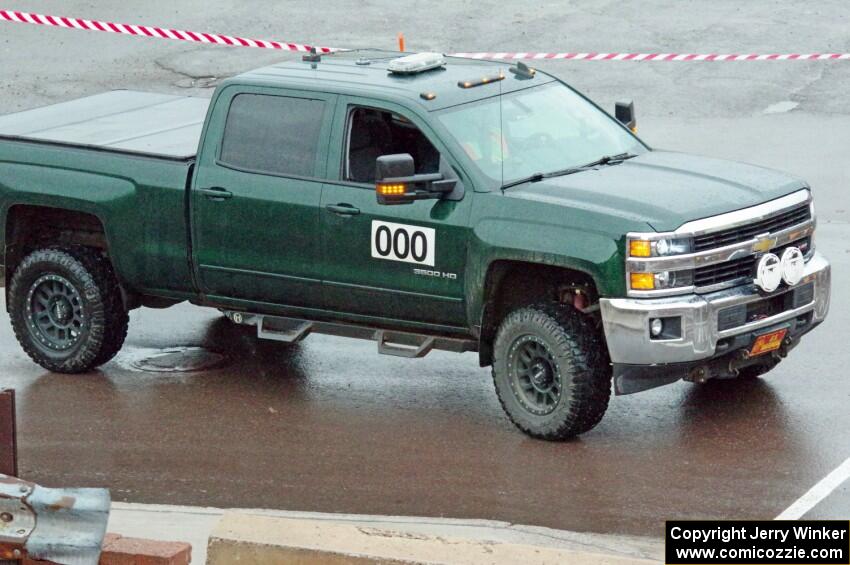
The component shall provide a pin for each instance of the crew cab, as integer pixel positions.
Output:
(423, 202)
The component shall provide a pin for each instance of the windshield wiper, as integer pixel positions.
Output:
(609, 160)
(604, 160)
(536, 177)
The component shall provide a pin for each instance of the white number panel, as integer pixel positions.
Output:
(401, 242)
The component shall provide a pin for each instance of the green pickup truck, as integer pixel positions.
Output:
(420, 201)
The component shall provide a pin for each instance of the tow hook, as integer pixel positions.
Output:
(734, 369)
(786, 346)
(699, 375)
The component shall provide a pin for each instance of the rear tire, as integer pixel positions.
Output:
(66, 309)
(551, 371)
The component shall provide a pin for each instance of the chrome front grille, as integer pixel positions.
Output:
(721, 238)
(725, 272)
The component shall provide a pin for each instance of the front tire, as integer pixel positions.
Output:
(551, 371)
(66, 309)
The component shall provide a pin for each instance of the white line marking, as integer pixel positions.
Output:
(817, 493)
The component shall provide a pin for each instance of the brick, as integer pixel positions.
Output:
(118, 550)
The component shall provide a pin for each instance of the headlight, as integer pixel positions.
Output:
(661, 280)
(659, 247)
(650, 246)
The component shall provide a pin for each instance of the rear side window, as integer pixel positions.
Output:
(273, 134)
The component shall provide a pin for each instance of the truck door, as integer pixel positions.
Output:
(255, 200)
(401, 262)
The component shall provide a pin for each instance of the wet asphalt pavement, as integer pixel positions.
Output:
(328, 425)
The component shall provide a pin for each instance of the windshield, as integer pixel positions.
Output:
(540, 130)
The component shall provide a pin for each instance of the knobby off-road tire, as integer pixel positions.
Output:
(66, 309)
(551, 371)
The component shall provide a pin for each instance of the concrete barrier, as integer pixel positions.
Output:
(246, 538)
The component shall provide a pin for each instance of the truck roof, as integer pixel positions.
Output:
(170, 126)
(365, 71)
(123, 120)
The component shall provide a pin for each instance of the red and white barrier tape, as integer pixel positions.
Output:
(219, 39)
(659, 56)
(158, 32)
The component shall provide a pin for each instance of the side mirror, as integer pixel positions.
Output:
(397, 182)
(625, 114)
(400, 165)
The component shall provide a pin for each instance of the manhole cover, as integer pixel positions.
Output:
(181, 360)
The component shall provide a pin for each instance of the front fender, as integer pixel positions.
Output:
(596, 254)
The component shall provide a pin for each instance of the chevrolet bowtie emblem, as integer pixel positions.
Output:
(764, 244)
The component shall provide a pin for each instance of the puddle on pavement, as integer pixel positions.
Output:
(171, 360)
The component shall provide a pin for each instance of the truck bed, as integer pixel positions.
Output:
(122, 120)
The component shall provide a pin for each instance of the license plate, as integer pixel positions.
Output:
(768, 342)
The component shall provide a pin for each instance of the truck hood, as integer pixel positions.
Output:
(663, 188)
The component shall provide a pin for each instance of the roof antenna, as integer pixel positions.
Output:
(312, 57)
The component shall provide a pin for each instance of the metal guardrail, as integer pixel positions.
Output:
(64, 526)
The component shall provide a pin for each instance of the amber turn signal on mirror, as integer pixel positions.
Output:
(399, 189)
(395, 193)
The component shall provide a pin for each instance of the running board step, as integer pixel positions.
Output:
(399, 344)
(407, 345)
(291, 331)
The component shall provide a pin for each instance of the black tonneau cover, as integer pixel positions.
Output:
(121, 120)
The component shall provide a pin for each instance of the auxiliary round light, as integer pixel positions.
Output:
(768, 272)
(793, 265)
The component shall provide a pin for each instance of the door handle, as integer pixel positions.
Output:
(215, 193)
(343, 209)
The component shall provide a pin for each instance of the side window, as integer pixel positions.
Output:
(372, 133)
(272, 134)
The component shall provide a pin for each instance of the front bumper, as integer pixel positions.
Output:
(626, 322)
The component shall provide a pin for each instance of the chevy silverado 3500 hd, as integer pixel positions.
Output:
(421, 201)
